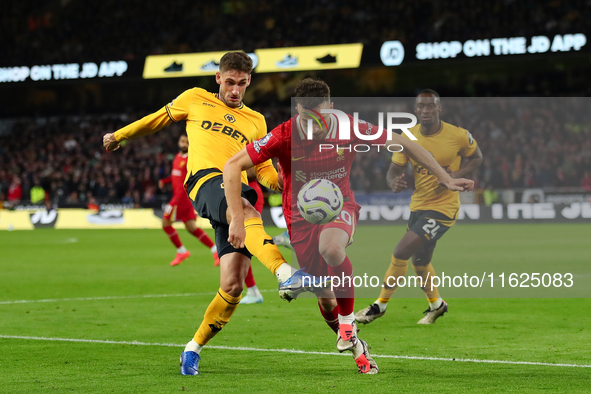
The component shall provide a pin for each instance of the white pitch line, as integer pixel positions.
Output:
(295, 351)
(113, 297)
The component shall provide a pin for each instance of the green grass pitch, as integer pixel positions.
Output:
(100, 285)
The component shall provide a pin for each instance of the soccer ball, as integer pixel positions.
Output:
(320, 201)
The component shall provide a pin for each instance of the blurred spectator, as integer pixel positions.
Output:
(15, 192)
(39, 32)
(490, 196)
(526, 144)
(586, 182)
(37, 192)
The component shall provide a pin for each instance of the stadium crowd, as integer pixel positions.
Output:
(534, 144)
(41, 31)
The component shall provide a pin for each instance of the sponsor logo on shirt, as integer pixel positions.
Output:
(227, 130)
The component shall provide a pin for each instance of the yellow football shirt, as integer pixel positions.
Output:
(447, 146)
(216, 132)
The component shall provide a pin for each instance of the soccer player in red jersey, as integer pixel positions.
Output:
(180, 208)
(320, 248)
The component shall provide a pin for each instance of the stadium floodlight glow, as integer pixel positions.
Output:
(344, 125)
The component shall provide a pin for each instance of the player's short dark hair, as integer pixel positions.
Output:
(238, 61)
(429, 91)
(312, 93)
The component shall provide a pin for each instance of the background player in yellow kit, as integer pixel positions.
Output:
(434, 208)
(219, 126)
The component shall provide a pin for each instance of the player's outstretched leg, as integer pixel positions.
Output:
(437, 306)
(202, 236)
(398, 267)
(329, 310)
(253, 294)
(291, 281)
(232, 273)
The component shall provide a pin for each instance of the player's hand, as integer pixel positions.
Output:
(460, 184)
(237, 234)
(160, 184)
(398, 184)
(110, 143)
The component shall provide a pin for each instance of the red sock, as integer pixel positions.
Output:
(331, 318)
(345, 293)
(249, 281)
(173, 235)
(203, 237)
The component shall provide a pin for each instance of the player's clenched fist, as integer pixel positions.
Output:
(398, 184)
(110, 143)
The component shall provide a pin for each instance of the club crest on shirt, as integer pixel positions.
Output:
(230, 118)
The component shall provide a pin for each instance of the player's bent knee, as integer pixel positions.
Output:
(333, 253)
(327, 304)
(403, 252)
(233, 288)
(251, 212)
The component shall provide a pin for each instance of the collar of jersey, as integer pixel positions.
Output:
(432, 135)
(332, 133)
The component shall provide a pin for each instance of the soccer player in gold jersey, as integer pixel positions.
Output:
(434, 208)
(219, 126)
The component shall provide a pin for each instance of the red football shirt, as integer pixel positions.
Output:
(179, 173)
(303, 160)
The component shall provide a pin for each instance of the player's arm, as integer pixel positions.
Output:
(470, 164)
(173, 112)
(164, 181)
(256, 153)
(146, 125)
(417, 153)
(232, 188)
(395, 178)
(267, 175)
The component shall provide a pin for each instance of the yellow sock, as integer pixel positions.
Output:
(396, 269)
(427, 273)
(216, 316)
(261, 245)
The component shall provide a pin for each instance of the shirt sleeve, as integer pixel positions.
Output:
(267, 175)
(400, 158)
(468, 144)
(147, 125)
(178, 109)
(265, 148)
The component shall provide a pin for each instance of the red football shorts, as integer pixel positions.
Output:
(305, 239)
(180, 209)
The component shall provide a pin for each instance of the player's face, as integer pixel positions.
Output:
(427, 108)
(183, 144)
(319, 129)
(233, 84)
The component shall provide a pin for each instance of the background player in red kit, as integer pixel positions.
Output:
(320, 249)
(180, 207)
